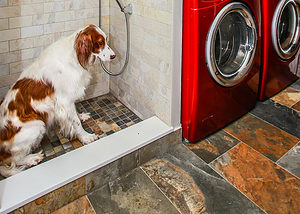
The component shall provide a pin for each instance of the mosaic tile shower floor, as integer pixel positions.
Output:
(108, 115)
(251, 166)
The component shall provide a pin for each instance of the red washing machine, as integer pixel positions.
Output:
(280, 42)
(221, 63)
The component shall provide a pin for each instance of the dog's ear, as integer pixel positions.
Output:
(83, 47)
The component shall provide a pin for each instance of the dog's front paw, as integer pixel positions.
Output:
(84, 116)
(88, 138)
(34, 159)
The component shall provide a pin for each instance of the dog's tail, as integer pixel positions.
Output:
(7, 171)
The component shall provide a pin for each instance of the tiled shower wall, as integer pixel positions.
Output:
(147, 82)
(28, 26)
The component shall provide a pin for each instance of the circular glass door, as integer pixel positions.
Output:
(231, 44)
(285, 28)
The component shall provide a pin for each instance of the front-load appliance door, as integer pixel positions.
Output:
(220, 69)
(281, 42)
(286, 29)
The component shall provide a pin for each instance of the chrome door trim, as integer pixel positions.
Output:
(292, 50)
(238, 76)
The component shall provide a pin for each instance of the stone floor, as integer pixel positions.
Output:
(250, 166)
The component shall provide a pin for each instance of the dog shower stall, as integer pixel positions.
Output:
(136, 105)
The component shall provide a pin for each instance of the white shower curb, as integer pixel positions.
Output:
(35, 182)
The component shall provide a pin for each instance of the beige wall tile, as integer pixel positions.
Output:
(19, 44)
(74, 5)
(7, 12)
(54, 28)
(30, 53)
(3, 91)
(23, 21)
(8, 80)
(18, 67)
(6, 35)
(32, 9)
(32, 31)
(50, 7)
(3, 24)
(4, 70)
(3, 3)
(64, 16)
(4, 47)
(6, 58)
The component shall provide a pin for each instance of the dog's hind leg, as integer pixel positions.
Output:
(26, 141)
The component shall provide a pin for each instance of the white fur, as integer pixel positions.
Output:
(59, 66)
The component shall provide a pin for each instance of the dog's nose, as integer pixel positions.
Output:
(112, 56)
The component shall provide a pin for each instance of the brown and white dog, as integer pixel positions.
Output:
(46, 93)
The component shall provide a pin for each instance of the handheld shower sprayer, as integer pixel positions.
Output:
(127, 10)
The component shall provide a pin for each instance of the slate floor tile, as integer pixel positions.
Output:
(279, 115)
(296, 106)
(194, 187)
(287, 97)
(134, 193)
(296, 85)
(271, 187)
(291, 161)
(213, 146)
(81, 205)
(263, 137)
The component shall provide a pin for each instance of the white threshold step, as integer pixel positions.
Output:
(37, 181)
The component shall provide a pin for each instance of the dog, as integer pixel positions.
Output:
(45, 93)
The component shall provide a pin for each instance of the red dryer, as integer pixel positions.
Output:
(280, 42)
(221, 63)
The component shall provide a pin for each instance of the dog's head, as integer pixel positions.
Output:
(91, 41)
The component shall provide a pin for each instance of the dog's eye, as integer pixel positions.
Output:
(101, 43)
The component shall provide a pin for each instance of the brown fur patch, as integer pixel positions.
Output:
(28, 90)
(7, 134)
(4, 154)
(88, 41)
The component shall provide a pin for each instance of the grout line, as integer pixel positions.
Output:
(160, 190)
(194, 153)
(271, 123)
(287, 152)
(284, 156)
(225, 153)
(230, 182)
(251, 148)
(275, 162)
(90, 203)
